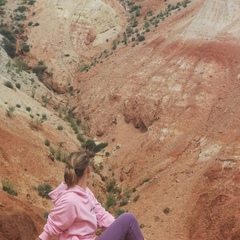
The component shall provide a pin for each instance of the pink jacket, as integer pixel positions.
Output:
(76, 214)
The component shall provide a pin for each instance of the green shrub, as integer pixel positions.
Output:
(21, 9)
(47, 142)
(31, 2)
(3, 2)
(70, 88)
(111, 185)
(28, 109)
(111, 201)
(8, 187)
(166, 210)
(8, 34)
(39, 69)
(114, 46)
(123, 202)
(18, 105)
(2, 12)
(61, 156)
(46, 100)
(80, 138)
(78, 122)
(9, 111)
(20, 64)
(9, 47)
(52, 150)
(45, 214)
(84, 67)
(44, 117)
(18, 85)
(136, 198)
(58, 154)
(60, 127)
(36, 124)
(92, 146)
(25, 47)
(141, 38)
(119, 211)
(44, 190)
(20, 17)
(8, 84)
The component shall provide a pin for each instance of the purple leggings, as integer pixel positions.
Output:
(125, 227)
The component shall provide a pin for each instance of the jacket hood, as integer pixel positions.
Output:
(62, 189)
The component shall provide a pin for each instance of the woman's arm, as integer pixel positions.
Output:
(61, 217)
(104, 218)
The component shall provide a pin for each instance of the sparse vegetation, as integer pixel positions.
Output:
(111, 201)
(60, 127)
(119, 211)
(20, 9)
(9, 47)
(80, 138)
(9, 187)
(39, 69)
(18, 85)
(47, 142)
(44, 190)
(8, 34)
(25, 47)
(8, 84)
(44, 117)
(45, 100)
(9, 111)
(135, 199)
(28, 109)
(31, 2)
(52, 150)
(20, 64)
(166, 210)
(84, 67)
(90, 145)
(35, 124)
(45, 214)
(3, 2)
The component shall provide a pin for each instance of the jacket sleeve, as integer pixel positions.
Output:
(104, 218)
(61, 217)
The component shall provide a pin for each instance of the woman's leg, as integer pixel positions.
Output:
(125, 227)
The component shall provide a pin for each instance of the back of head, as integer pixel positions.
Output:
(76, 164)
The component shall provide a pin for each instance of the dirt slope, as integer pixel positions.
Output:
(71, 32)
(181, 90)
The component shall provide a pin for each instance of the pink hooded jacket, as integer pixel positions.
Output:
(76, 214)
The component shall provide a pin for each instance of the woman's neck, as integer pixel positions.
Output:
(82, 182)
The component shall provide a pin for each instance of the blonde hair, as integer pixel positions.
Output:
(76, 164)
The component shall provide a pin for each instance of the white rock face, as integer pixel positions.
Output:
(71, 32)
